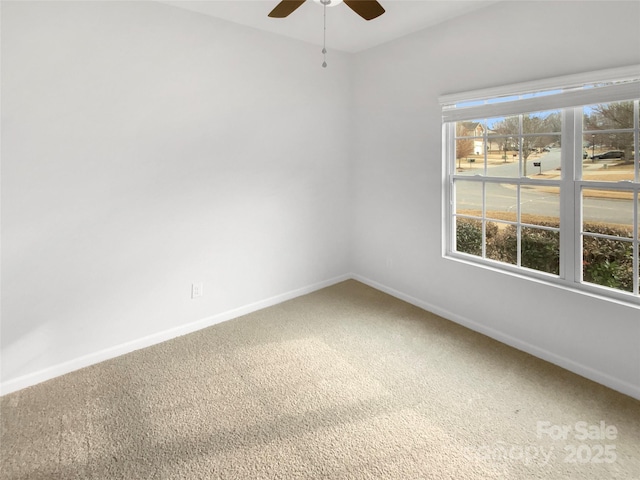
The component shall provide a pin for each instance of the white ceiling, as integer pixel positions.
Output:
(346, 31)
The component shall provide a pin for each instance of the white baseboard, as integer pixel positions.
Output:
(112, 352)
(91, 359)
(582, 370)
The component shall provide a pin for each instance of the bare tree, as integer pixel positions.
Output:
(464, 146)
(612, 116)
(536, 132)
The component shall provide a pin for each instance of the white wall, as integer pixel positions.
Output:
(144, 148)
(398, 174)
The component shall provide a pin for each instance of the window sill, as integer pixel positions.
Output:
(592, 291)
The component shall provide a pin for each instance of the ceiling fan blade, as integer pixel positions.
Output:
(285, 8)
(367, 9)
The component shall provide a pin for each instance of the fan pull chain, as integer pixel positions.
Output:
(324, 38)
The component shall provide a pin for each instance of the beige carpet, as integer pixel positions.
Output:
(344, 383)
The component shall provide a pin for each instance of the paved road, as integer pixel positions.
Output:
(503, 198)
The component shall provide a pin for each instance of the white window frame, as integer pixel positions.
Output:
(570, 96)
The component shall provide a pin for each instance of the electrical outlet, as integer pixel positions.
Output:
(196, 290)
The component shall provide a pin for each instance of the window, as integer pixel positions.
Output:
(543, 179)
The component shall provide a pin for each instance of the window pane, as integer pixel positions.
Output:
(503, 126)
(469, 236)
(470, 147)
(470, 156)
(472, 128)
(502, 242)
(502, 157)
(540, 249)
(542, 157)
(610, 145)
(540, 205)
(542, 122)
(608, 116)
(608, 150)
(608, 262)
(608, 212)
(468, 198)
(605, 159)
(502, 201)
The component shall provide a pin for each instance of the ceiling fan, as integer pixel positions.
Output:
(367, 9)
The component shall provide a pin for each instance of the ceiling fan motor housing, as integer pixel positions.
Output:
(328, 3)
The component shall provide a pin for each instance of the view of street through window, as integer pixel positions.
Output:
(509, 185)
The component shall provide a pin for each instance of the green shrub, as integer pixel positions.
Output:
(605, 262)
(469, 236)
(608, 262)
(540, 248)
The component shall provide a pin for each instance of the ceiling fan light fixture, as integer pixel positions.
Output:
(328, 3)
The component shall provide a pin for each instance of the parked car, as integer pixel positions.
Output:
(609, 154)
